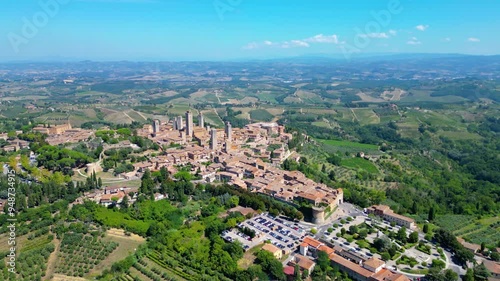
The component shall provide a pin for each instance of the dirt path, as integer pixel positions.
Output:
(217, 96)
(60, 277)
(125, 113)
(356, 117)
(218, 114)
(121, 233)
(51, 263)
(140, 114)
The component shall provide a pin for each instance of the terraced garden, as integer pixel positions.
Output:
(170, 265)
(485, 230)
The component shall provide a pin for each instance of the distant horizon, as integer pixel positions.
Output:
(339, 57)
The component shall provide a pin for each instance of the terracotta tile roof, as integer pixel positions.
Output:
(350, 265)
(401, 217)
(397, 277)
(374, 263)
(270, 248)
(387, 275)
(493, 267)
(312, 242)
(304, 262)
(326, 249)
(289, 270)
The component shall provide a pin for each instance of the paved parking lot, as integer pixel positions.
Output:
(282, 233)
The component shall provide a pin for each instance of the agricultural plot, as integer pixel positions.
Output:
(366, 116)
(77, 120)
(453, 222)
(367, 97)
(261, 115)
(209, 98)
(425, 95)
(349, 144)
(137, 116)
(275, 110)
(247, 100)
(477, 231)
(320, 111)
(24, 243)
(408, 130)
(346, 114)
(212, 118)
(168, 262)
(459, 135)
(293, 99)
(360, 163)
(167, 273)
(90, 113)
(343, 174)
(321, 124)
(178, 109)
(127, 244)
(81, 253)
(30, 265)
(394, 95)
(53, 118)
(267, 96)
(308, 97)
(36, 243)
(91, 93)
(488, 235)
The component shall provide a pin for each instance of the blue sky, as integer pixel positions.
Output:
(238, 29)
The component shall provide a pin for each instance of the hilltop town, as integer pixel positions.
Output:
(207, 171)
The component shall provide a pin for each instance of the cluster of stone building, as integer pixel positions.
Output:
(64, 133)
(183, 132)
(110, 196)
(357, 268)
(13, 144)
(239, 157)
(56, 134)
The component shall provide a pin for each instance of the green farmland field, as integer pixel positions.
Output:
(349, 144)
(360, 163)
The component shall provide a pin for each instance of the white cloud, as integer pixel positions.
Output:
(393, 32)
(421, 27)
(473, 39)
(294, 43)
(320, 38)
(382, 35)
(251, 46)
(301, 43)
(413, 41)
